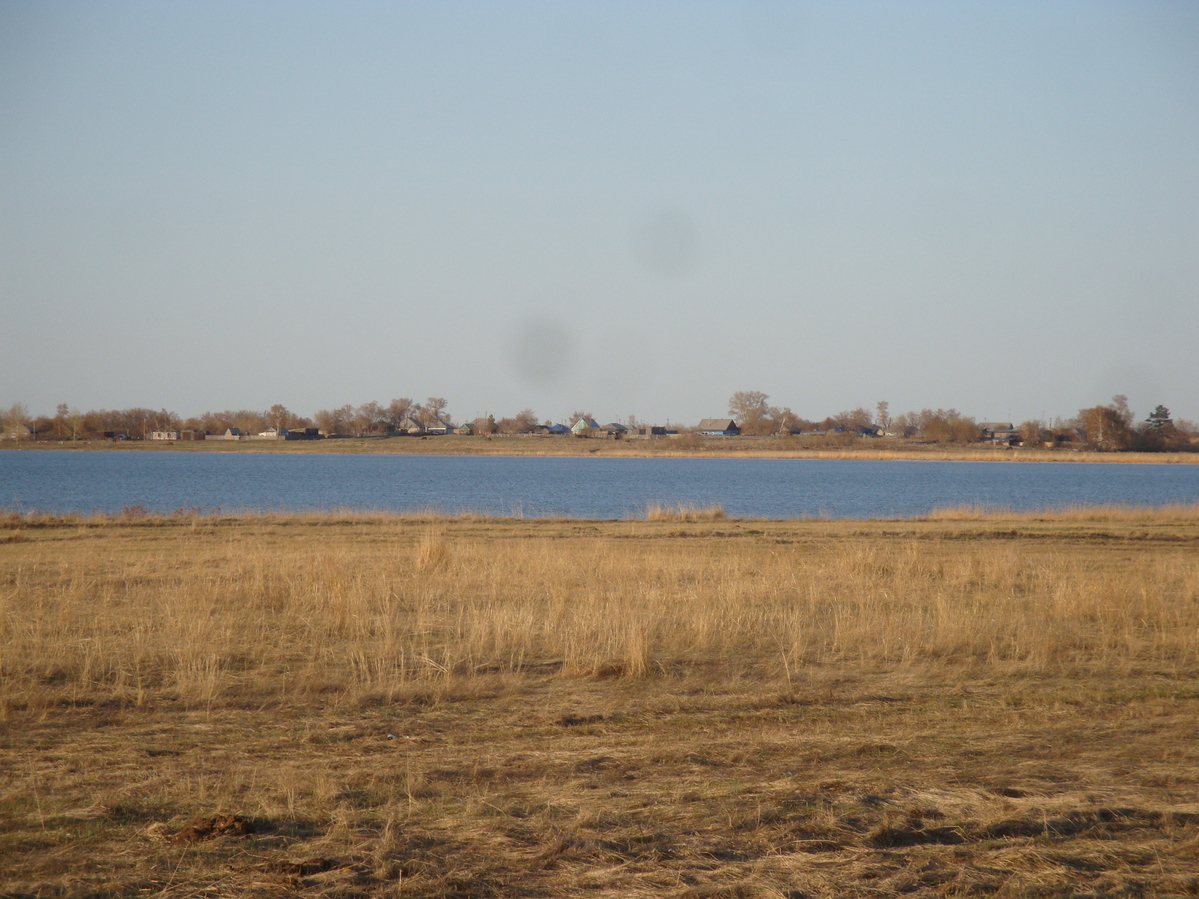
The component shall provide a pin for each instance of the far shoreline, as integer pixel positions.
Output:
(688, 447)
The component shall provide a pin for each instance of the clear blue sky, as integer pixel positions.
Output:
(629, 208)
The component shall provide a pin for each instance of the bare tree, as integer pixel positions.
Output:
(368, 418)
(784, 419)
(61, 411)
(852, 419)
(326, 421)
(397, 410)
(882, 414)
(165, 420)
(945, 426)
(14, 418)
(524, 422)
(280, 417)
(137, 423)
(1120, 405)
(249, 421)
(749, 410)
(335, 421)
(68, 422)
(1031, 432)
(1108, 427)
(434, 411)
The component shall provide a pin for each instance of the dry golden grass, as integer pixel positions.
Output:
(656, 512)
(685, 706)
(690, 445)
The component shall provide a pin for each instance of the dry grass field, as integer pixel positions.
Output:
(686, 706)
(687, 446)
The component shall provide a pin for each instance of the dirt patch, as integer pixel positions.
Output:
(304, 868)
(577, 720)
(201, 828)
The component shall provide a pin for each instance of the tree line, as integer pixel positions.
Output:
(1111, 427)
(367, 419)
(69, 423)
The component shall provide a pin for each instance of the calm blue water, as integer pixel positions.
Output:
(536, 487)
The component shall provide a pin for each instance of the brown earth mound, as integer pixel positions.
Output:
(208, 828)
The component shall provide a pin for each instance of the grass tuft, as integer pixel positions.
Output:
(656, 512)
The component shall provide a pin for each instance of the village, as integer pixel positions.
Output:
(1111, 427)
(998, 433)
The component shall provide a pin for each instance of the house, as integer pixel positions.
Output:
(613, 430)
(1071, 435)
(584, 426)
(1005, 438)
(1000, 432)
(718, 427)
(647, 432)
(409, 426)
(164, 435)
(558, 430)
(301, 433)
(438, 426)
(20, 431)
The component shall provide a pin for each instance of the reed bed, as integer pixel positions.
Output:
(1170, 513)
(684, 512)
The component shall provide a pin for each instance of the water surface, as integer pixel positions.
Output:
(64, 482)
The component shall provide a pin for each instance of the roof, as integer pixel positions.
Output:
(717, 424)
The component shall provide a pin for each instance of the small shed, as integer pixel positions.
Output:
(301, 433)
(718, 427)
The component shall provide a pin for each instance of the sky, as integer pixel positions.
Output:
(623, 208)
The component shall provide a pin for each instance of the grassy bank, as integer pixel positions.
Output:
(684, 706)
(680, 447)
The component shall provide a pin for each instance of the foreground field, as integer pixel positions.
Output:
(688, 706)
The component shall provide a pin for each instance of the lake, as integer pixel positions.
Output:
(541, 487)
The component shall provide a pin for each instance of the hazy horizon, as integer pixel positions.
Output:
(630, 209)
